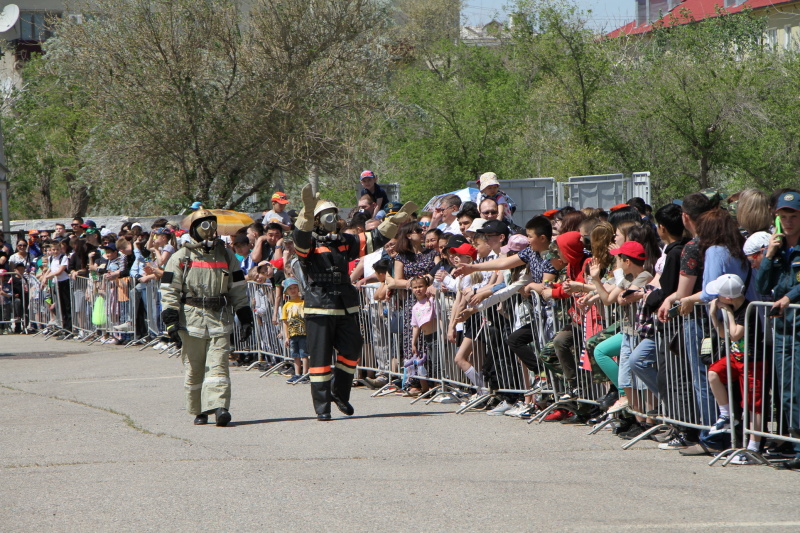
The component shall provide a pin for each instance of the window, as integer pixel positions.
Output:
(787, 37)
(34, 25)
(731, 3)
(771, 38)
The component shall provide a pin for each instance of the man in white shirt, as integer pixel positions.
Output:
(444, 214)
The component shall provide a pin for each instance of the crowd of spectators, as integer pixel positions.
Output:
(703, 251)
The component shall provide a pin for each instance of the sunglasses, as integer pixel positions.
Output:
(489, 212)
(416, 230)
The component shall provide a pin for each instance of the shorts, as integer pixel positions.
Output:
(472, 326)
(433, 364)
(755, 379)
(298, 347)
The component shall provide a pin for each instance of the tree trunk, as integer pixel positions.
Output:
(79, 199)
(705, 167)
(313, 178)
(45, 200)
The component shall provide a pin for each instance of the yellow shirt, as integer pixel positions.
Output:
(292, 313)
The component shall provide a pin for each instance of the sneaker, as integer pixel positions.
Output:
(501, 408)
(445, 399)
(378, 382)
(743, 459)
(127, 326)
(574, 394)
(722, 425)
(575, 418)
(304, 379)
(516, 409)
(557, 415)
(160, 346)
(635, 430)
(678, 442)
(619, 405)
(294, 378)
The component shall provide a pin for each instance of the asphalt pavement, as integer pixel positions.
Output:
(95, 438)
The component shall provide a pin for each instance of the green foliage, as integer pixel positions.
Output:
(45, 136)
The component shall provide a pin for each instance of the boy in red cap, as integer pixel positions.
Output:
(639, 361)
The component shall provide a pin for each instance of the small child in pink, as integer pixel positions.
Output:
(423, 319)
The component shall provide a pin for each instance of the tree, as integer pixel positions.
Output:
(207, 101)
(46, 131)
(453, 121)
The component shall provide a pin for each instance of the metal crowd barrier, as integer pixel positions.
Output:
(266, 340)
(776, 413)
(13, 302)
(44, 304)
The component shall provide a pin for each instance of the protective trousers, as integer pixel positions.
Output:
(207, 380)
(326, 333)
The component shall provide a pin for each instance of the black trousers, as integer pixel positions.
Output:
(65, 300)
(329, 377)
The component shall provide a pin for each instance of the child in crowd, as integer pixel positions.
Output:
(294, 330)
(731, 302)
(423, 320)
(468, 286)
(490, 188)
(626, 292)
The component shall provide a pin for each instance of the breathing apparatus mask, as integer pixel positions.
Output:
(204, 231)
(327, 219)
(329, 222)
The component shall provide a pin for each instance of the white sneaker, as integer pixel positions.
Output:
(516, 409)
(445, 399)
(501, 408)
(160, 346)
(742, 459)
(127, 326)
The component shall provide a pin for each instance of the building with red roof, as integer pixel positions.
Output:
(783, 25)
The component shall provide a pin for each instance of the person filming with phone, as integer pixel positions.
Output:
(779, 274)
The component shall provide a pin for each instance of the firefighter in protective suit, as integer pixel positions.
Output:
(331, 301)
(202, 282)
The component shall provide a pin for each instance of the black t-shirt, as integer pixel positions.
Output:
(378, 194)
(754, 335)
(267, 251)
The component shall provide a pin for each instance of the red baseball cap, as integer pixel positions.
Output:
(618, 206)
(465, 249)
(280, 198)
(550, 214)
(631, 249)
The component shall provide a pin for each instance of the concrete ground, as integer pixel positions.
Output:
(95, 438)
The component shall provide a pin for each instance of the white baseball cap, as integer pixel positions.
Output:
(727, 286)
(476, 225)
(756, 243)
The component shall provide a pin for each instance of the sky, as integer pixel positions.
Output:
(606, 14)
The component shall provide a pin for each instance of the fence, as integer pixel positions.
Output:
(13, 302)
(670, 384)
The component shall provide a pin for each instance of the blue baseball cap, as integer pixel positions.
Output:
(788, 200)
(90, 223)
(288, 282)
(196, 205)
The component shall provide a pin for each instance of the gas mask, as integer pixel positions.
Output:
(329, 222)
(204, 230)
